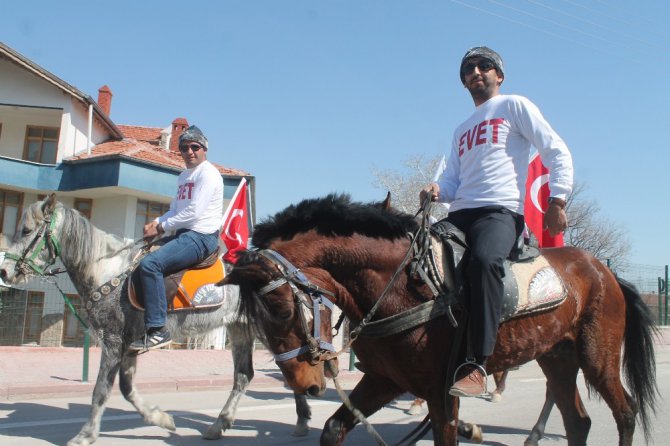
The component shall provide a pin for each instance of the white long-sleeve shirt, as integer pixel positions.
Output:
(198, 203)
(488, 163)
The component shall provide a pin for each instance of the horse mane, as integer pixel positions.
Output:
(85, 244)
(334, 215)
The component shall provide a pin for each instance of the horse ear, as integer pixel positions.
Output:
(49, 204)
(386, 204)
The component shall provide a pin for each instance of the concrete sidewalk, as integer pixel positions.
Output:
(40, 372)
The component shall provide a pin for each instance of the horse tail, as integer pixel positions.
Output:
(639, 359)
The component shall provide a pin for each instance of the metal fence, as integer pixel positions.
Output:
(652, 282)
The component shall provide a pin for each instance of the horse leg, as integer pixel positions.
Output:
(415, 407)
(538, 430)
(242, 346)
(304, 415)
(604, 377)
(109, 366)
(560, 366)
(369, 395)
(446, 425)
(500, 379)
(151, 414)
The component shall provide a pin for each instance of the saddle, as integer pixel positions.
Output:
(189, 289)
(531, 284)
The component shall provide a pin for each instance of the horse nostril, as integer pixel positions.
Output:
(315, 391)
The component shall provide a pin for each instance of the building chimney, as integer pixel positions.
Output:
(105, 99)
(178, 127)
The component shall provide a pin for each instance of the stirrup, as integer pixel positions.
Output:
(471, 363)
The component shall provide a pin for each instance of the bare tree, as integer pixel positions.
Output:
(587, 229)
(405, 185)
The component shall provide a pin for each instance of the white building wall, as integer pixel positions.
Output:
(112, 215)
(31, 100)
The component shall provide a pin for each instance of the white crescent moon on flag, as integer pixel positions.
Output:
(231, 235)
(535, 190)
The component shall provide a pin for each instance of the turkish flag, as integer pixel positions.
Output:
(537, 196)
(235, 230)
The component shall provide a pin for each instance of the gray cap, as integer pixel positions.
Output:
(484, 53)
(193, 133)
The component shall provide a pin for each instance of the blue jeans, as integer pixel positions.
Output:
(181, 251)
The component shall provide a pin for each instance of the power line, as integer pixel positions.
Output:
(592, 23)
(541, 30)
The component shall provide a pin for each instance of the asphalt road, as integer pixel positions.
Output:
(266, 417)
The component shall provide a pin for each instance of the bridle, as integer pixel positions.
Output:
(25, 263)
(306, 294)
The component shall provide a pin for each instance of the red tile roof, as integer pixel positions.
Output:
(143, 152)
(149, 134)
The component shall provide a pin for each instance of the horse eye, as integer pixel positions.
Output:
(26, 231)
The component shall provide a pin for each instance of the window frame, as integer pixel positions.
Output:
(31, 308)
(86, 212)
(41, 139)
(148, 215)
(3, 206)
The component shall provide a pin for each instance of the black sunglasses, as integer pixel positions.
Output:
(193, 147)
(483, 65)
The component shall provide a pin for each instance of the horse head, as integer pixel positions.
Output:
(290, 313)
(36, 243)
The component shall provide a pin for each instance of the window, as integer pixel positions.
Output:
(73, 330)
(41, 144)
(84, 205)
(34, 309)
(10, 211)
(147, 211)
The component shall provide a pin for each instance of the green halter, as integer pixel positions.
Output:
(44, 238)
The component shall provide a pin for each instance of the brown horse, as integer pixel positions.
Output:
(358, 253)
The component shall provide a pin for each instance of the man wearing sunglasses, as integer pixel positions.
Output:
(485, 182)
(194, 217)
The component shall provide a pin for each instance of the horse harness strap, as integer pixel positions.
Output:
(45, 236)
(298, 282)
(421, 265)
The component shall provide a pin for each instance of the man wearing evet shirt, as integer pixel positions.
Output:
(195, 214)
(484, 183)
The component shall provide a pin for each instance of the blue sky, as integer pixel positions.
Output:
(310, 95)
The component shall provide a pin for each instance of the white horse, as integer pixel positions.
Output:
(94, 259)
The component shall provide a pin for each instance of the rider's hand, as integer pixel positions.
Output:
(152, 230)
(432, 191)
(555, 219)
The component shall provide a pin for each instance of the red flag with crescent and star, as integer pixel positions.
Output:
(235, 230)
(537, 196)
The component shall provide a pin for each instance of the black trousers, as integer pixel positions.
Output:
(491, 233)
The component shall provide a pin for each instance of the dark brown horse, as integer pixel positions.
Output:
(358, 253)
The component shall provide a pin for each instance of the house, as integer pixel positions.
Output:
(55, 138)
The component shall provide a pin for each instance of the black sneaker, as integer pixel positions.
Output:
(153, 340)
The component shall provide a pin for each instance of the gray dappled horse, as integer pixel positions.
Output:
(93, 258)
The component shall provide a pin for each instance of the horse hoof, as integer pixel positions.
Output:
(495, 398)
(477, 434)
(162, 419)
(79, 441)
(213, 433)
(301, 430)
(414, 409)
